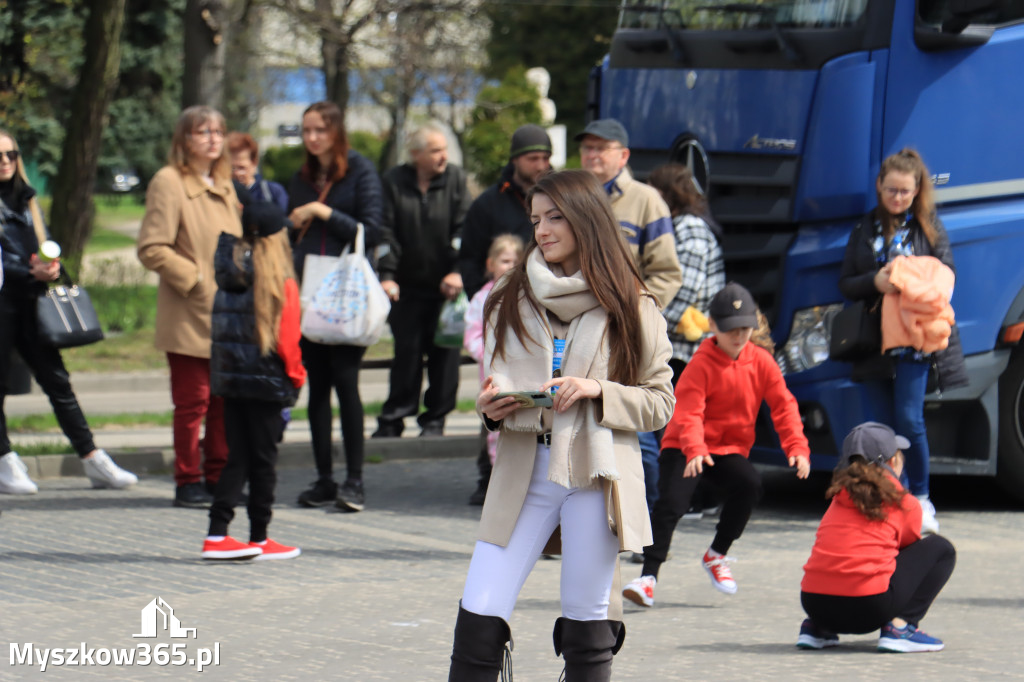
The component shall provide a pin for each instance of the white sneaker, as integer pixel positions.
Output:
(103, 473)
(14, 478)
(928, 522)
(641, 590)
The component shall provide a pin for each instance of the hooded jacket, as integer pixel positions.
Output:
(237, 367)
(717, 400)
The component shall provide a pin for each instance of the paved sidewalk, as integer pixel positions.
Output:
(374, 595)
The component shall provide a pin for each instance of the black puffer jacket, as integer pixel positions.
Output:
(237, 369)
(356, 198)
(500, 209)
(856, 282)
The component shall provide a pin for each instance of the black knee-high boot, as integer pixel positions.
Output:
(587, 647)
(479, 652)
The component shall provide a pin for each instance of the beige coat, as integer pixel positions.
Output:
(623, 409)
(179, 233)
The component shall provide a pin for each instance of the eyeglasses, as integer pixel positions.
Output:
(898, 192)
(598, 149)
(11, 156)
(208, 132)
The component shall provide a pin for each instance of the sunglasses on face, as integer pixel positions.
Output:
(11, 156)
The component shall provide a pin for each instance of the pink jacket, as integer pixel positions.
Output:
(473, 337)
(919, 316)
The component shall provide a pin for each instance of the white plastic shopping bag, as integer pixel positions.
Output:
(349, 306)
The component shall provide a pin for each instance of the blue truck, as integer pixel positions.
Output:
(784, 109)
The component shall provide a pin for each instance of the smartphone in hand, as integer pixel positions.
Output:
(528, 398)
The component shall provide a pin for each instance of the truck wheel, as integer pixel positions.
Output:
(1010, 473)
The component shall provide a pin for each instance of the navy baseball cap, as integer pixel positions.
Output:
(606, 129)
(875, 442)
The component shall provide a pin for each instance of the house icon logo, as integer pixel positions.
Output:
(158, 615)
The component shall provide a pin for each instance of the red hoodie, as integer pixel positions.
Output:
(717, 399)
(854, 556)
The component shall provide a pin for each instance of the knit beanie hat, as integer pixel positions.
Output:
(263, 219)
(529, 138)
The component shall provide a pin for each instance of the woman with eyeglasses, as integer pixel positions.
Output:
(189, 203)
(22, 231)
(903, 224)
(336, 190)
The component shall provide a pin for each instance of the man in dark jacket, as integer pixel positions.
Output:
(501, 208)
(425, 203)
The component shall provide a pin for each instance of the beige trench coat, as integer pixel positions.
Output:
(623, 409)
(177, 240)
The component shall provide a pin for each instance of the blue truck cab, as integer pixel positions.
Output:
(784, 110)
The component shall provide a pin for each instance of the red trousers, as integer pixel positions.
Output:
(190, 393)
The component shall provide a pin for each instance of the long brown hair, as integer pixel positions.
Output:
(272, 266)
(675, 184)
(21, 180)
(606, 264)
(335, 122)
(910, 162)
(870, 488)
(189, 120)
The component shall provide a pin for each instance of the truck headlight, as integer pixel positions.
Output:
(809, 336)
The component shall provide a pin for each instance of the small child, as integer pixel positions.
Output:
(712, 430)
(869, 567)
(503, 255)
(256, 365)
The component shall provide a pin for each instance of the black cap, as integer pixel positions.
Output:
(877, 443)
(733, 307)
(263, 219)
(606, 129)
(529, 138)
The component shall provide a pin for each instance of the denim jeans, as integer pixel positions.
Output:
(900, 403)
(649, 457)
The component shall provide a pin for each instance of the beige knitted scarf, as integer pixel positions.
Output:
(581, 449)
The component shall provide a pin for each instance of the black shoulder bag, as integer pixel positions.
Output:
(856, 332)
(65, 317)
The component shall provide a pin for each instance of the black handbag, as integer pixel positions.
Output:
(856, 333)
(65, 317)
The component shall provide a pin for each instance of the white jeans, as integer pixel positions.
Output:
(589, 551)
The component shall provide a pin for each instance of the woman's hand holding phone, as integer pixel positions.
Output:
(494, 408)
(571, 389)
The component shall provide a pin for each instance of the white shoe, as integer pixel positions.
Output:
(14, 478)
(103, 473)
(928, 522)
(641, 590)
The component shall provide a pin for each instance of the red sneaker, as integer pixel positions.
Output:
(271, 550)
(718, 568)
(229, 549)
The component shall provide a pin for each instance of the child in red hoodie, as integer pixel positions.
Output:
(869, 567)
(711, 433)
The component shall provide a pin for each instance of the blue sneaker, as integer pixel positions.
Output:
(907, 639)
(813, 637)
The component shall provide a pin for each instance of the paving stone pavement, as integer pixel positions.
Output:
(374, 595)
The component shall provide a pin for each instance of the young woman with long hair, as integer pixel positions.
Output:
(189, 203)
(26, 275)
(256, 366)
(903, 224)
(336, 190)
(573, 321)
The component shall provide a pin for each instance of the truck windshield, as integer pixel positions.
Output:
(712, 15)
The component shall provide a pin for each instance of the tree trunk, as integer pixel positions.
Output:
(203, 81)
(72, 210)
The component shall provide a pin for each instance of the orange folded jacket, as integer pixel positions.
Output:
(919, 316)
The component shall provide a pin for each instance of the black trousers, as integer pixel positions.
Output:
(18, 330)
(413, 322)
(334, 367)
(251, 428)
(733, 475)
(922, 569)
